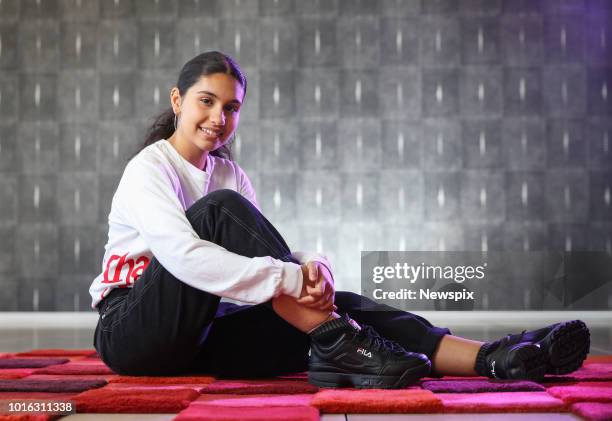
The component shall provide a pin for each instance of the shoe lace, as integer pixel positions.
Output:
(516, 337)
(377, 342)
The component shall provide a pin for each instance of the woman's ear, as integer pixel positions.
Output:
(175, 100)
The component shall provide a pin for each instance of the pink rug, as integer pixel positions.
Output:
(163, 380)
(479, 386)
(583, 392)
(28, 417)
(588, 391)
(593, 411)
(36, 395)
(107, 400)
(76, 377)
(69, 385)
(255, 407)
(93, 356)
(228, 413)
(57, 353)
(260, 400)
(375, 401)
(15, 373)
(501, 402)
(76, 368)
(250, 387)
(593, 371)
(30, 362)
(155, 388)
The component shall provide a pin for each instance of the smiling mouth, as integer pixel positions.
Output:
(210, 132)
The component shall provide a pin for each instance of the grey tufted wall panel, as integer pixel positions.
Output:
(374, 125)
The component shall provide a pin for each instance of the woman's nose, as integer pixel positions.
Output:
(218, 117)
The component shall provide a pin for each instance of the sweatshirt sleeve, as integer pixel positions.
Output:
(306, 256)
(152, 206)
(245, 187)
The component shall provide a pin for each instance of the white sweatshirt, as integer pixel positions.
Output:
(147, 219)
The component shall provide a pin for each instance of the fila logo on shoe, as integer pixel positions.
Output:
(493, 369)
(364, 352)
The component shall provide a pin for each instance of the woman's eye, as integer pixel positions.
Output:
(232, 108)
(206, 101)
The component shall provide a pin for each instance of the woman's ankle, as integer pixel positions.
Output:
(331, 316)
(301, 317)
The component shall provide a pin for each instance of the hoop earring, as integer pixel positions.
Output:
(175, 122)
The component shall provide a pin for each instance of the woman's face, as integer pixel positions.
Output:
(209, 111)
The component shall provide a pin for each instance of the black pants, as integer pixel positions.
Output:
(162, 326)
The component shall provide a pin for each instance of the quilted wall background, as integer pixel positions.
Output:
(368, 125)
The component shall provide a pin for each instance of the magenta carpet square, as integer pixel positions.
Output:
(583, 392)
(501, 402)
(593, 371)
(593, 411)
(249, 387)
(196, 412)
(260, 400)
(30, 362)
(70, 385)
(479, 386)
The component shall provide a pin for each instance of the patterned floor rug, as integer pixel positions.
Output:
(37, 381)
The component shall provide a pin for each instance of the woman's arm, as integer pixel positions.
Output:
(245, 188)
(147, 198)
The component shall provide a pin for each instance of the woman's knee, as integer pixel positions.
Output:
(351, 302)
(347, 296)
(225, 197)
(347, 301)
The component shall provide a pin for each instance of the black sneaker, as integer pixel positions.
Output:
(505, 359)
(565, 345)
(342, 355)
(556, 349)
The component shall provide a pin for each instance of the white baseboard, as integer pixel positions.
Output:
(526, 319)
(48, 320)
(486, 319)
